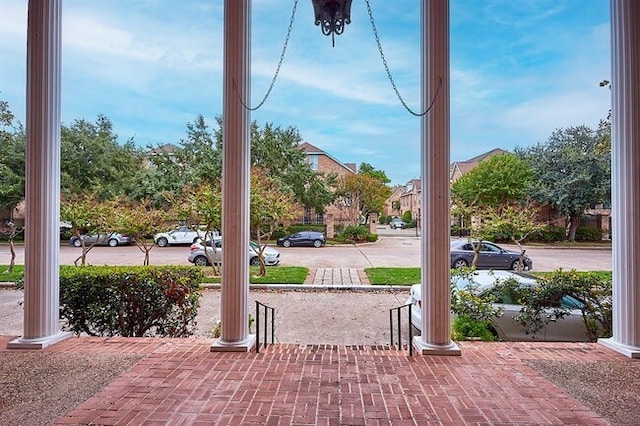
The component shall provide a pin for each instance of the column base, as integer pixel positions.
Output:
(630, 351)
(238, 346)
(424, 348)
(39, 343)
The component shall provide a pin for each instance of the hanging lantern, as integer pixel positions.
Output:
(332, 16)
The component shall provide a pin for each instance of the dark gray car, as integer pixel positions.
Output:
(491, 256)
(303, 238)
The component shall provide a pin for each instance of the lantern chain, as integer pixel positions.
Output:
(275, 76)
(386, 67)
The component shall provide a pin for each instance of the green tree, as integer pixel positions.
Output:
(202, 206)
(361, 194)
(87, 214)
(161, 179)
(493, 198)
(368, 169)
(498, 180)
(271, 205)
(92, 161)
(572, 171)
(12, 160)
(141, 220)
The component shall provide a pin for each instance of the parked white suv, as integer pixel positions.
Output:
(181, 235)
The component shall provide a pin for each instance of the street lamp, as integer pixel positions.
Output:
(332, 16)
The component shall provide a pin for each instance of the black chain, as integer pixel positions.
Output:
(386, 67)
(275, 76)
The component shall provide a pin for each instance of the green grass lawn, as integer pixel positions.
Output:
(18, 271)
(393, 276)
(275, 275)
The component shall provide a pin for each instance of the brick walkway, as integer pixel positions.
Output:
(180, 382)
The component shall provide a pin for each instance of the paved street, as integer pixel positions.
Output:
(395, 248)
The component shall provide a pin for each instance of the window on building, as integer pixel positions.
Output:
(313, 161)
(311, 217)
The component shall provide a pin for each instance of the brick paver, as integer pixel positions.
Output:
(338, 277)
(179, 381)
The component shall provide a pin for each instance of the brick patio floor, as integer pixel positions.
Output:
(180, 382)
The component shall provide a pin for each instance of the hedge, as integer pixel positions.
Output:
(130, 301)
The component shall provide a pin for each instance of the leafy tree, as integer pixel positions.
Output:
(368, 169)
(498, 180)
(200, 155)
(493, 197)
(88, 215)
(314, 190)
(161, 179)
(270, 206)
(572, 171)
(12, 160)
(92, 161)
(360, 195)
(142, 221)
(202, 205)
(512, 222)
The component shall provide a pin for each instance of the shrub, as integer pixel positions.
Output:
(130, 301)
(547, 302)
(588, 233)
(355, 233)
(406, 216)
(548, 234)
(466, 328)
(459, 231)
(301, 227)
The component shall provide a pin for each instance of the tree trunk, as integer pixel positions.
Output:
(13, 256)
(574, 222)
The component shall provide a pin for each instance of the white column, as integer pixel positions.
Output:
(235, 181)
(435, 263)
(42, 227)
(625, 174)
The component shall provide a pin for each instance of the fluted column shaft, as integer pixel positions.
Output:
(435, 137)
(235, 180)
(625, 150)
(42, 192)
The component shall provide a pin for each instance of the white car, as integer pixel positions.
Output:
(181, 235)
(571, 328)
(198, 256)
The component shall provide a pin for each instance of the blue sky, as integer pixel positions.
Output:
(519, 70)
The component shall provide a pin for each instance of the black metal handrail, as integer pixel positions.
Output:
(399, 320)
(267, 309)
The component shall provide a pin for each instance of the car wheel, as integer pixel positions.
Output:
(113, 242)
(162, 242)
(286, 243)
(254, 261)
(77, 242)
(317, 243)
(514, 265)
(460, 263)
(200, 261)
